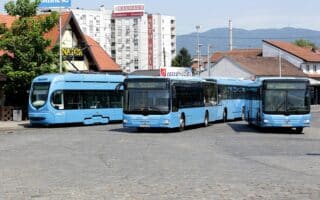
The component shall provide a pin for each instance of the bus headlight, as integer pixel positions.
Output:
(266, 121)
(125, 121)
(166, 122)
(306, 121)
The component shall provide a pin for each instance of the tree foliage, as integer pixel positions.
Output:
(22, 8)
(305, 43)
(26, 51)
(183, 59)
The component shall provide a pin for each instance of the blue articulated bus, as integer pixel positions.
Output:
(279, 102)
(231, 98)
(163, 102)
(75, 98)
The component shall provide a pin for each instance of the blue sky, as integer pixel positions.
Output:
(247, 14)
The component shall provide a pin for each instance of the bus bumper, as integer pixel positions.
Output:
(40, 118)
(150, 121)
(286, 121)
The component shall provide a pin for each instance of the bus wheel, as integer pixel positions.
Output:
(298, 130)
(249, 120)
(206, 120)
(182, 123)
(140, 129)
(225, 116)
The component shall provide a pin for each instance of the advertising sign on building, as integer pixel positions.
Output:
(175, 71)
(55, 4)
(131, 10)
(150, 42)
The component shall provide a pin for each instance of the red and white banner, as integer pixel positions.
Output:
(175, 71)
(128, 14)
(130, 10)
(150, 42)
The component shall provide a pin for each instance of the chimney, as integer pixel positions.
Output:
(230, 35)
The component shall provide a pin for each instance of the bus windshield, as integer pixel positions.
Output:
(286, 101)
(147, 101)
(39, 94)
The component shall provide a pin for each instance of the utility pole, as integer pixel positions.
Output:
(208, 60)
(230, 35)
(198, 48)
(60, 38)
(164, 57)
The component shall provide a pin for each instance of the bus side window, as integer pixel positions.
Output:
(57, 100)
(176, 98)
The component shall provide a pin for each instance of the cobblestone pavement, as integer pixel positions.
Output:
(222, 161)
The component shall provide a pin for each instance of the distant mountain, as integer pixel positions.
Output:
(242, 38)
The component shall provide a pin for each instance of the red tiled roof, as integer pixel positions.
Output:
(53, 34)
(236, 52)
(7, 20)
(103, 60)
(266, 66)
(195, 65)
(303, 53)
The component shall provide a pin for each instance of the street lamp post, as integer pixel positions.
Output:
(208, 60)
(198, 48)
(60, 43)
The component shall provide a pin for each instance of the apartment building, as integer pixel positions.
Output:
(135, 39)
(96, 24)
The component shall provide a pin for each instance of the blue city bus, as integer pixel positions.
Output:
(231, 98)
(168, 102)
(75, 98)
(279, 102)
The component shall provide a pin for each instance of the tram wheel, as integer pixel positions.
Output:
(298, 130)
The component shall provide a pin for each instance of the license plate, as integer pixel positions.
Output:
(144, 125)
(286, 125)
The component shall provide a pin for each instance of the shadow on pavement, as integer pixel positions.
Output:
(153, 130)
(244, 128)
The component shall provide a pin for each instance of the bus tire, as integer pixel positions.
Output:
(182, 123)
(140, 129)
(249, 120)
(206, 120)
(225, 116)
(298, 130)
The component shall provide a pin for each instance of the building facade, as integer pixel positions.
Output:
(96, 24)
(304, 59)
(135, 39)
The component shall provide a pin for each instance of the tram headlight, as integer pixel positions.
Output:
(166, 122)
(266, 121)
(125, 121)
(306, 121)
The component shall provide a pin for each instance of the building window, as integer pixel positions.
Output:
(308, 68)
(315, 68)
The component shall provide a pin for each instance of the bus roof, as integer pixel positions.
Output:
(230, 81)
(79, 77)
(190, 78)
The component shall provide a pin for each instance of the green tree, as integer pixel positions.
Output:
(305, 43)
(22, 8)
(26, 51)
(183, 59)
